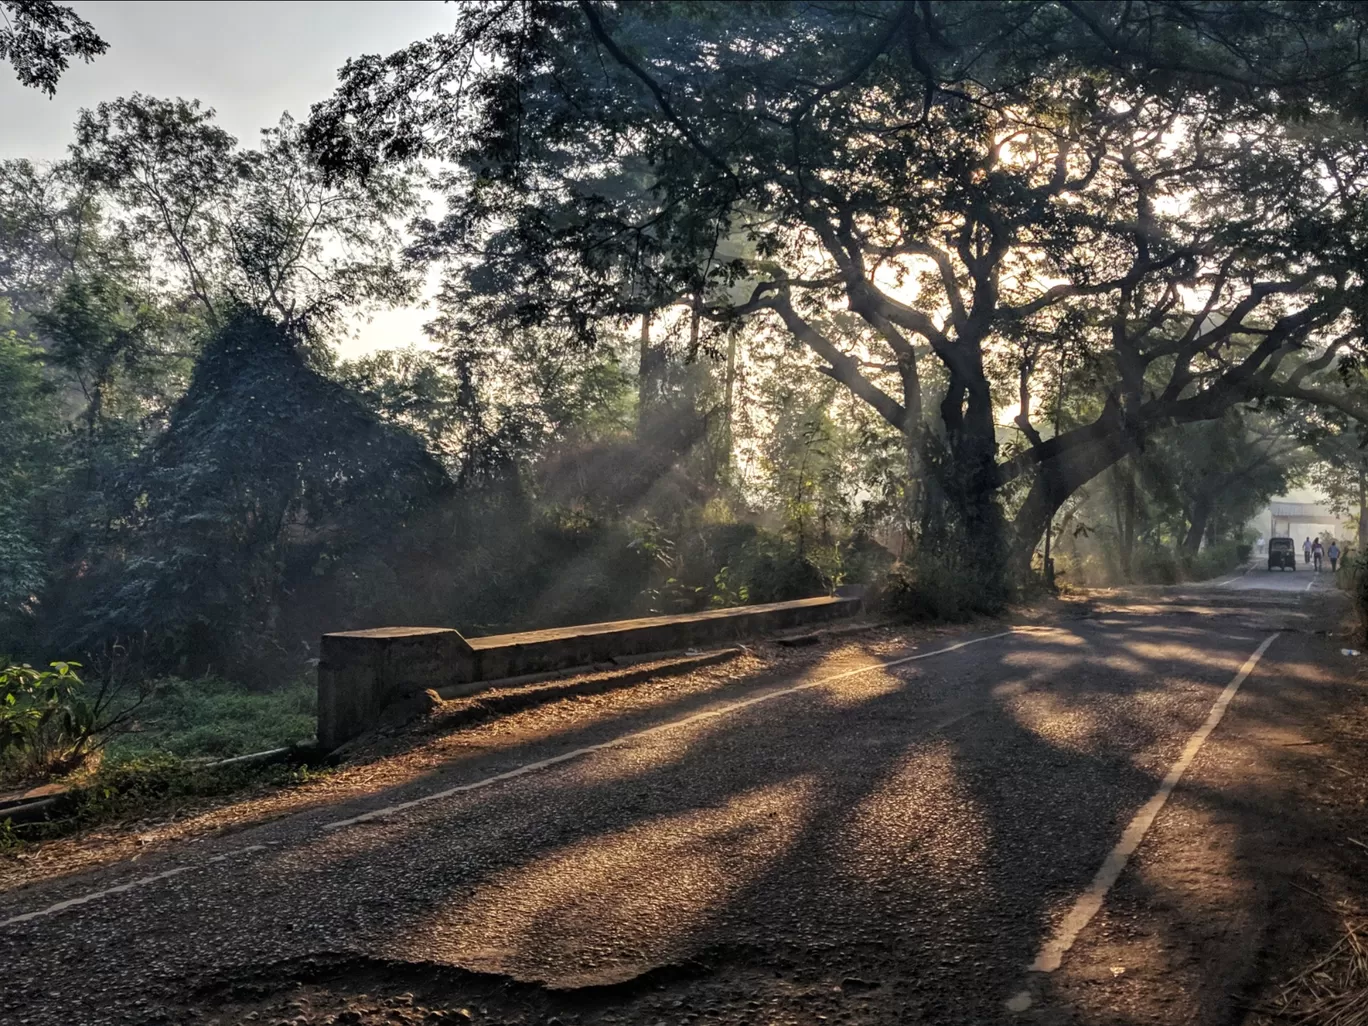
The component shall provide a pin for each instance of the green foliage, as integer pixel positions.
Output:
(28, 424)
(10, 841)
(235, 492)
(46, 717)
(38, 38)
(837, 176)
(215, 718)
(154, 784)
(260, 229)
(1340, 468)
(728, 292)
(489, 409)
(927, 590)
(1352, 577)
(1215, 560)
(1178, 510)
(51, 230)
(725, 593)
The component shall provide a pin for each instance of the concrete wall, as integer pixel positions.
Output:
(362, 672)
(508, 655)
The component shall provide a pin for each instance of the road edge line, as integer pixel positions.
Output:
(142, 881)
(1089, 903)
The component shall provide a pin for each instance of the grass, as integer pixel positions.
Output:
(159, 785)
(212, 718)
(157, 765)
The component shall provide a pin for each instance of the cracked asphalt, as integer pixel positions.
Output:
(891, 846)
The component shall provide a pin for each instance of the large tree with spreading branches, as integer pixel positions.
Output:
(961, 210)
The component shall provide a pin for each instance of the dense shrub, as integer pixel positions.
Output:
(924, 589)
(47, 719)
(1352, 577)
(1156, 565)
(1215, 560)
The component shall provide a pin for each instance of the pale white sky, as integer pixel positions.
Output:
(250, 61)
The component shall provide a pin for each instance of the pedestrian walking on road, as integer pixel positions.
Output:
(1334, 554)
(1317, 551)
(1306, 550)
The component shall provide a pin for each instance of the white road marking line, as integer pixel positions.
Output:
(533, 767)
(1308, 585)
(142, 881)
(1052, 952)
(1229, 583)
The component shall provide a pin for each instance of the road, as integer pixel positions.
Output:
(1053, 823)
(1257, 577)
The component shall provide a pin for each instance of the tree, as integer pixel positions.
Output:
(264, 467)
(256, 229)
(50, 229)
(1340, 468)
(1163, 188)
(1224, 471)
(38, 38)
(28, 425)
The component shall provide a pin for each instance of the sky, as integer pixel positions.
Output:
(249, 61)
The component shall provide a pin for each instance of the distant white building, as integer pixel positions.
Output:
(1300, 520)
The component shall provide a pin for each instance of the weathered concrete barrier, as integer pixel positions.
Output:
(360, 673)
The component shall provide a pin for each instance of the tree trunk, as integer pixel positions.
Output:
(1055, 481)
(1197, 525)
(650, 378)
(917, 479)
(962, 525)
(728, 431)
(1123, 494)
(1362, 514)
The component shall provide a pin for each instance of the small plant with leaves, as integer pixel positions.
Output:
(47, 719)
(727, 592)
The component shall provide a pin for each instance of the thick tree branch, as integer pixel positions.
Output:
(845, 369)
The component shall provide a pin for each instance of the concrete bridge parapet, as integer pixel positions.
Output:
(361, 673)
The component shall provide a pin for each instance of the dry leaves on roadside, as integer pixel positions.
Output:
(1333, 991)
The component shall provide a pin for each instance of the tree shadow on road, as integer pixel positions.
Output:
(890, 847)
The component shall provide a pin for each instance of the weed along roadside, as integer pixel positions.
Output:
(147, 787)
(177, 743)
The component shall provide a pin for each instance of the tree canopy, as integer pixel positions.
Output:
(929, 197)
(255, 228)
(736, 302)
(38, 38)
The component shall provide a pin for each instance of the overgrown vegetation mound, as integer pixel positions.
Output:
(265, 465)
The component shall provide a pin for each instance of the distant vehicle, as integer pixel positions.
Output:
(1282, 553)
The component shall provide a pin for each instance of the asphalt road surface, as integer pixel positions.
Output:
(1048, 824)
(1257, 577)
